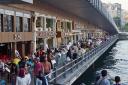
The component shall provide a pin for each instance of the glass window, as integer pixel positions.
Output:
(58, 25)
(18, 24)
(38, 22)
(112, 7)
(68, 26)
(8, 23)
(62, 25)
(49, 24)
(26, 24)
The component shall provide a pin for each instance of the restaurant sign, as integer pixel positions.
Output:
(17, 36)
(45, 34)
(64, 34)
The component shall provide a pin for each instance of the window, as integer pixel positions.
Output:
(58, 24)
(112, 7)
(68, 26)
(40, 23)
(62, 26)
(8, 23)
(49, 24)
(18, 24)
(26, 24)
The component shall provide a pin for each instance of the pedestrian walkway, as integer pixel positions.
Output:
(74, 69)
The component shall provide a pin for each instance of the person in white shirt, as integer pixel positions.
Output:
(46, 47)
(67, 47)
(98, 42)
(103, 80)
(23, 78)
(89, 41)
(28, 76)
(21, 81)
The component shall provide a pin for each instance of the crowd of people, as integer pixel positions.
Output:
(34, 68)
(22, 71)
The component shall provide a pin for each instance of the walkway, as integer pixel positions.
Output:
(70, 72)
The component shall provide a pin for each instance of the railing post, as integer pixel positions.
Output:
(71, 66)
(55, 74)
(64, 70)
(82, 59)
(77, 60)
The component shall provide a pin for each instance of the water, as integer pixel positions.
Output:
(115, 61)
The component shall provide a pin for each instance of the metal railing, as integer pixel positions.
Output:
(70, 67)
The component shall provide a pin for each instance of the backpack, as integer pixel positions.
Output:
(22, 72)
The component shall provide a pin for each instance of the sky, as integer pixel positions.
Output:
(124, 3)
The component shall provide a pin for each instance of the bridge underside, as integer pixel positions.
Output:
(84, 10)
(123, 36)
(15, 1)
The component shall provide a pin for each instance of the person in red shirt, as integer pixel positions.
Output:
(37, 67)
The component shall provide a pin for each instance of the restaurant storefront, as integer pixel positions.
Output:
(15, 32)
(45, 32)
(64, 32)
